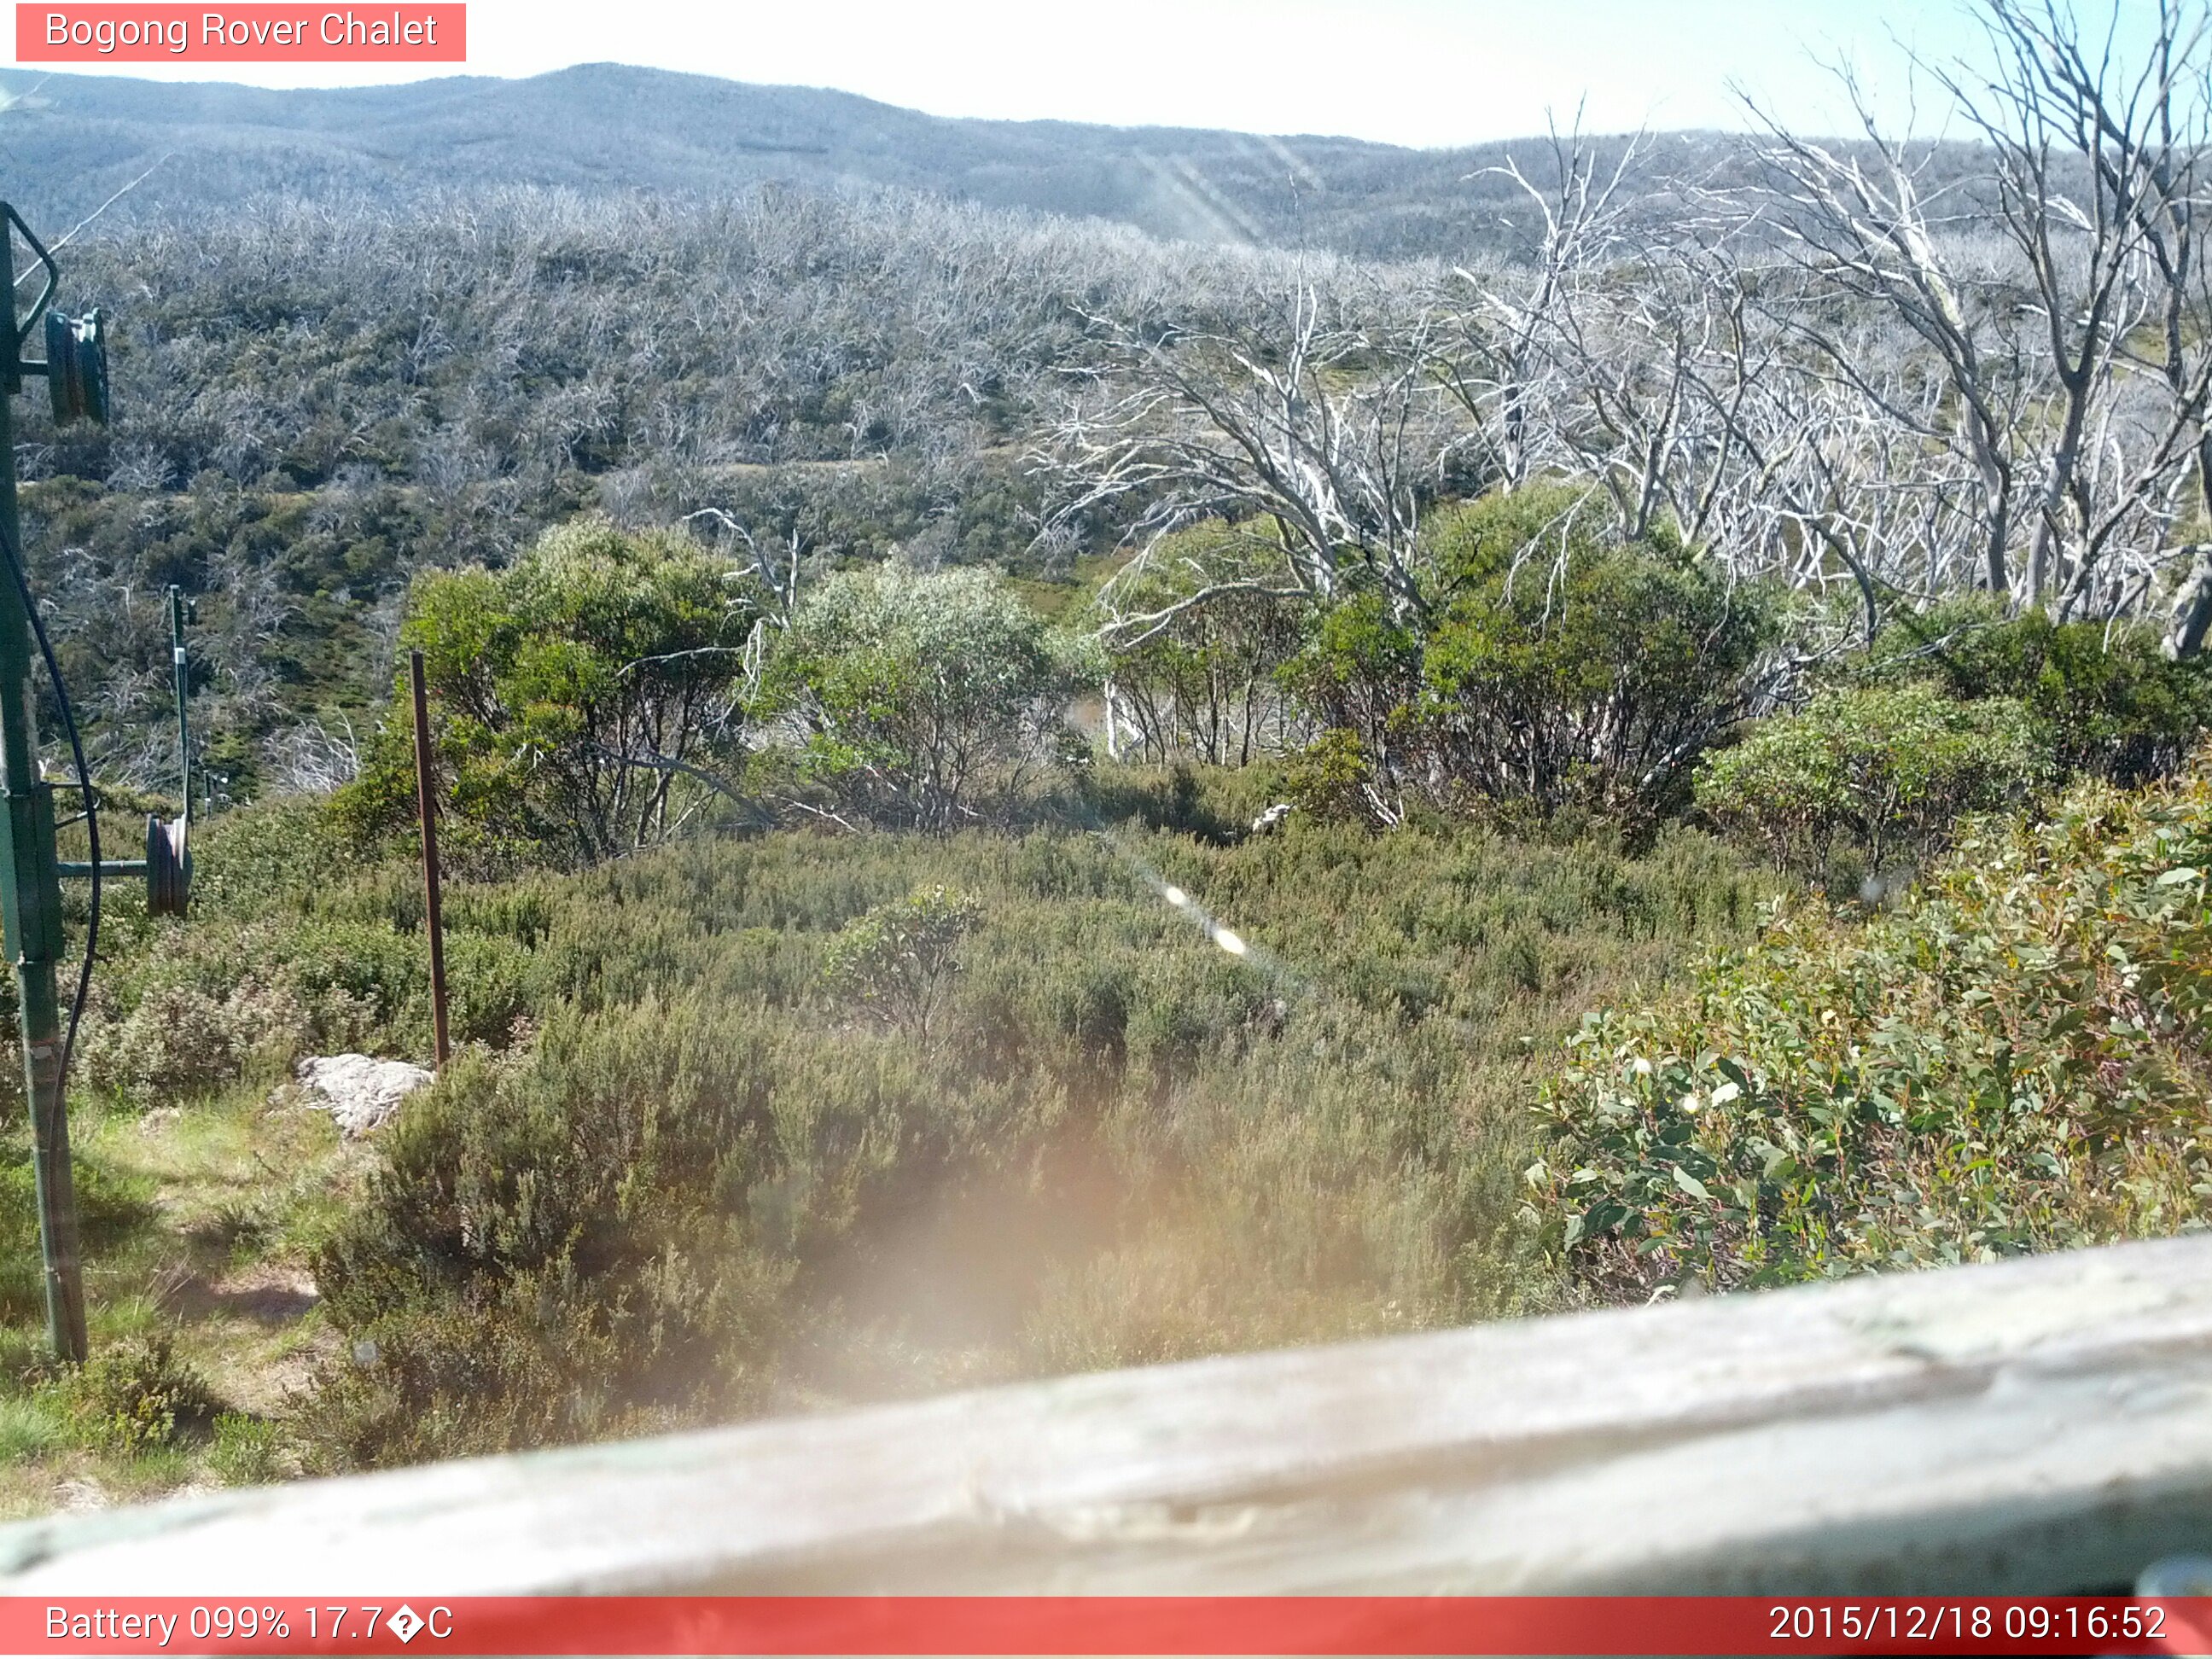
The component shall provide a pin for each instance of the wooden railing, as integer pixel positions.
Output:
(2037, 1426)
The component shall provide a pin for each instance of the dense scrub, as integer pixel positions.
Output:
(2013, 1060)
(720, 1180)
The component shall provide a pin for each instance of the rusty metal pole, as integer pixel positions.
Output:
(425, 794)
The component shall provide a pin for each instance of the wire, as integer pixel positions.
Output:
(84, 785)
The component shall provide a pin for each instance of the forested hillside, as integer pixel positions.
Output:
(314, 403)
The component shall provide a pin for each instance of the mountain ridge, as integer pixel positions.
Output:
(68, 143)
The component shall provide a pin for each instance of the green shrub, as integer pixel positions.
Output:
(29, 1428)
(1216, 804)
(1567, 666)
(896, 963)
(704, 1188)
(138, 1395)
(247, 1451)
(250, 859)
(2104, 702)
(586, 699)
(2013, 1062)
(1885, 771)
(1199, 682)
(180, 1042)
(923, 698)
(1334, 780)
(1555, 664)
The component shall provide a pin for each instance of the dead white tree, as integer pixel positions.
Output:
(1494, 351)
(2063, 297)
(1302, 414)
(2096, 154)
(1864, 234)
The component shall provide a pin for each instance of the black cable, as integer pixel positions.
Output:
(83, 783)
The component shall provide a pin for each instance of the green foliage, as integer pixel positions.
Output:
(1215, 803)
(292, 949)
(1886, 770)
(1333, 779)
(136, 1396)
(182, 1040)
(896, 962)
(1555, 664)
(2013, 1062)
(247, 1451)
(29, 1427)
(1568, 667)
(1199, 682)
(2105, 703)
(1360, 675)
(923, 697)
(703, 1187)
(586, 702)
(245, 862)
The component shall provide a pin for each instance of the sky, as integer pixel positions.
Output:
(1420, 72)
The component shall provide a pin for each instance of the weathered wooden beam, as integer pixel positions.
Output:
(2041, 1425)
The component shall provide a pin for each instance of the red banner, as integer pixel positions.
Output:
(241, 34)
(1178, 1626)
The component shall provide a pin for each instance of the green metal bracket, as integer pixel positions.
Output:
(167, 866)
(12, 371)
(182, 669)
(30, 872)
(76, 372)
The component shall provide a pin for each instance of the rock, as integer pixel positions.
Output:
(361, 1091)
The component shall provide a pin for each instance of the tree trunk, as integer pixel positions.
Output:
(2192, 606)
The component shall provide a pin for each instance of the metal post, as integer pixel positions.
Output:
(180, 668)
(31, 900)
(426, 795)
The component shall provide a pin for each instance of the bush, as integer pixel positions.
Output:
(247, 1451)
(1334, 780)
(2013, 1062)
(563, 1249)
(29, 1428)
(1215, 803)
(1199, 684)
(1556, 664)
(1885, 771)
(181, 1042)
(2104, 702)
(136, 1395)
(897, 962)
(587, 700)
(922, 698)
(705, 1189)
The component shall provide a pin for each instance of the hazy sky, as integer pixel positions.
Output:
(1408, 71)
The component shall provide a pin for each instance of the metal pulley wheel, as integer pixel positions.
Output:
(168, 867)
(77, 367)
